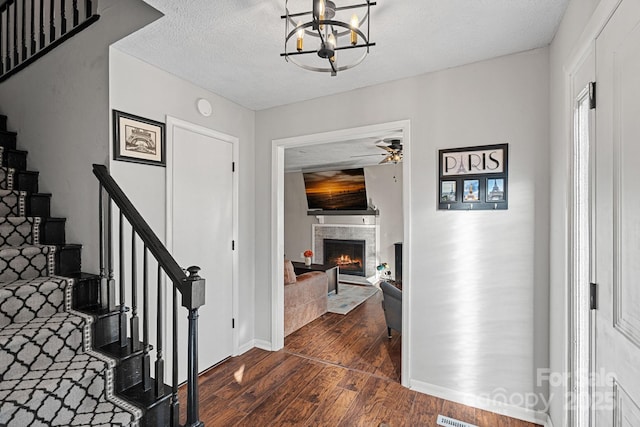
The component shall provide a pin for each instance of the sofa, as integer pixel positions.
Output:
(305, 297)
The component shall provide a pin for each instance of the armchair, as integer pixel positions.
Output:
(392, 306)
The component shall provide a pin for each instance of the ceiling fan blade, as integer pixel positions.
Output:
(387, 149)
(385, 160)
(368, 155)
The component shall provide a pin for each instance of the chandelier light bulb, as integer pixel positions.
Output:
(321, 10)
(300, 34)
(354, 26)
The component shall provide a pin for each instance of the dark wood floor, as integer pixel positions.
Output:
(336, 371)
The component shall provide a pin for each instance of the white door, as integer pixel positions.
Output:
(202, 233)
(616, 397)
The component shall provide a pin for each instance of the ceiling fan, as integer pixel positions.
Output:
(393, 150)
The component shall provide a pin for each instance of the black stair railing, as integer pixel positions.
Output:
(190, 286)
(31, 28)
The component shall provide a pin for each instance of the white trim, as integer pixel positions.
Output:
(262, 344)
(277, 224)
(584, 45)
(172, 123)
(483, 403)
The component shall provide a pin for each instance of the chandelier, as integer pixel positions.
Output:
(327, 38)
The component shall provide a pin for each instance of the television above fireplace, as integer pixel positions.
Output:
(341, 190)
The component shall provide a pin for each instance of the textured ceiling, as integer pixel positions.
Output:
(232, 47)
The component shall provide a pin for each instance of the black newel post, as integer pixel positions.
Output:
(193, 296)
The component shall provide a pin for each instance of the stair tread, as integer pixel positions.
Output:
(75, 391)
(147, 399)
(8, 132)
(117, 352)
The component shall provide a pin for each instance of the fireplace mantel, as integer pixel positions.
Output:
(373, 212)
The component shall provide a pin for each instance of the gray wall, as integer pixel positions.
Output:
(382, 189)
(60, 108)
(575, 19)
(479, 308)
(141, 89)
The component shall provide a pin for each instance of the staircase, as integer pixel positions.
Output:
(69, 355)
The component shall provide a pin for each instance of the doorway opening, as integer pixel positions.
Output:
(278, 251)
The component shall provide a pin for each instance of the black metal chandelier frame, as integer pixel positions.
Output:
(321, 29)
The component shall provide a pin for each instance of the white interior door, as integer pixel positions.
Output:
(202, 233)
(616, 397)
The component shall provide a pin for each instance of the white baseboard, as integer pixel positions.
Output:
(485, 404)
(261, 344)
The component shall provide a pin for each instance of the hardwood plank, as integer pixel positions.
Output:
(368, 403)
(322, 384)
(234, 387)
(260, 389)
(489, 419)
(331, 410)
(297, 413)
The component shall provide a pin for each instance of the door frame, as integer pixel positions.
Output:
(277, 225)
(172, 123)
(584, 46)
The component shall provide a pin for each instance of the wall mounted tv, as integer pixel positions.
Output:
(336, 190)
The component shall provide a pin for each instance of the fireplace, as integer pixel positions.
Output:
(348, 255)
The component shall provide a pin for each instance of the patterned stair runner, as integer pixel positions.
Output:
(49, 375)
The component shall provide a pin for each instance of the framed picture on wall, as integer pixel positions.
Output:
(474, 178)
(448, 192)
(495, 190)
(138, 140)
(471, 190)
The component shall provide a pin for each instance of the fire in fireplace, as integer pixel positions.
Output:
(348, 255)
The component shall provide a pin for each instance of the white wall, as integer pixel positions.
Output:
(384, 188)
(59, 106)
(566, 40)
(479, 308)
(141, 89)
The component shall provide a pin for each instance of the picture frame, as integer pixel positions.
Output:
(137, 139)
(495, 190)
(471, 190)
(448, 191)
(473, 178)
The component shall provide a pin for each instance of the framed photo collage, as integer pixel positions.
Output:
(473, 178)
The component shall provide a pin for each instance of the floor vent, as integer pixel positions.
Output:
(451, 422)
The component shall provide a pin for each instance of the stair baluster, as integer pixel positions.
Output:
(16, 58)
(52, 26)
(89, 8)
(76, 13)
(175, 410)
(146, 359)
(41, 32)
(1, 57)
(24, 30)
(121, 279)
(7, 32)
(32, 28)
(159, 337)
(134, 321)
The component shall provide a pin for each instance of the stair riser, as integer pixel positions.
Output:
(38, 205)
(52, 231)
(3, 123)
(158, 416)
(86, 293)
(15, 159)
(68, 260)
(8, 140)
(128, 373)
(26, 181)
(106, 330)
